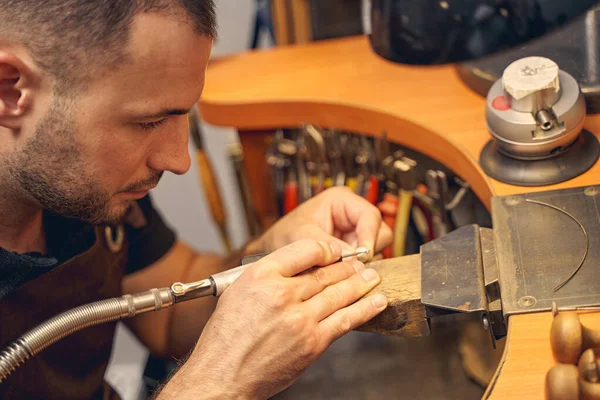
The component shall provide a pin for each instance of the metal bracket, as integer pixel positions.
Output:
(459, 275)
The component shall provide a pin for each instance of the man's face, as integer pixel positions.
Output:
(92, 156)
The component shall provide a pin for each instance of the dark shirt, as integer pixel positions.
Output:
(149, 240)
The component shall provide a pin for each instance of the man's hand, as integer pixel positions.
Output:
(275, 320)
(336, 215)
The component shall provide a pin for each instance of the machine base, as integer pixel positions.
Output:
(571, 163)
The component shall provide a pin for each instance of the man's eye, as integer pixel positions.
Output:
(153, 124)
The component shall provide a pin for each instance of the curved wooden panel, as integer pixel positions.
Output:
(341, 83)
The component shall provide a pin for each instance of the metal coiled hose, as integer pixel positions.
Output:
(79, 318)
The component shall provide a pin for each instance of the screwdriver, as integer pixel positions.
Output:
(209, 181)
(216, 284)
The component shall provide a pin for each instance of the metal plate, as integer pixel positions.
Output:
(538, 247)
(452, 272)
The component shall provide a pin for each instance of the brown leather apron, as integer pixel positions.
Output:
(74, 367)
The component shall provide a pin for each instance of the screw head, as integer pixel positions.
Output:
(513, 200)
(527, 301)
(486, 322)
(591, 191)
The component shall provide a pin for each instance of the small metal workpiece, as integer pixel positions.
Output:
(556, 309)
(216, 284)
(585, 234)
(362, 253)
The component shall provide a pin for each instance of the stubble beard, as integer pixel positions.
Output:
(51, 170)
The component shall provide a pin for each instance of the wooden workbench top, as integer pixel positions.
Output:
(341, 83)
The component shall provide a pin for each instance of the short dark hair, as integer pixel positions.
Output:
(71, 39)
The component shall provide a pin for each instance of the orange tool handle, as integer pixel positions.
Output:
(213, 196)
(211, 189)
(389, 208)
(290, 200)
(372, 193)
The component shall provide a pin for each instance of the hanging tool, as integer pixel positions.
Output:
(406, 174)
(349, 151)
(389, 205)
(371, 191)
(438, 190)
(361, 160)
(304, 189)
(333, 147)
(278, 164)
(422, 213)
(287, 148)
(317, 158)
(211, 189)
(236, 156)
(383, 158)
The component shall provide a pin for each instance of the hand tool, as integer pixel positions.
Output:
(348, 156)
(569, 338)
(333, 146)
(367, 164)
(360, 145)
(290, 201)
(422, 208)
(405, 169)
(304, 189)
(288, 150)
(127, 306)
(562, 383)
(211, 188)
(438, 191)
(317, 157)
(236, 156)
(588, 366)
(383, 158)
(389, 205)
(277, 163)
(216, 284)
(570, 382)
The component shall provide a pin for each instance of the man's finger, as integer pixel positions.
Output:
(355, 214)
(299, 256)
(351, 317)
(314, 281)
(385, 236)
(343, 293)
(316, 233)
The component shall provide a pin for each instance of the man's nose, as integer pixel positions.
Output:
(171, 151)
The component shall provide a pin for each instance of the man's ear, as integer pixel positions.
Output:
(16, 90)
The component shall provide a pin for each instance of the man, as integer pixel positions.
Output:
(93, 97)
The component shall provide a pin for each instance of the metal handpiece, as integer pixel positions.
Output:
(216, 284)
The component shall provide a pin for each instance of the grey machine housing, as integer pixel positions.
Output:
(540, 125)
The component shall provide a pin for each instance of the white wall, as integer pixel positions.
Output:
(181, 198)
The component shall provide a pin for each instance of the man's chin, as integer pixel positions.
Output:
(115, 214)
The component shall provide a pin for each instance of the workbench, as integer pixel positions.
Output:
(342, 84)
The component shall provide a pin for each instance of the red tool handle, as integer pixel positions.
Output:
(290, 200)
(389, 208)
(373, 190)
